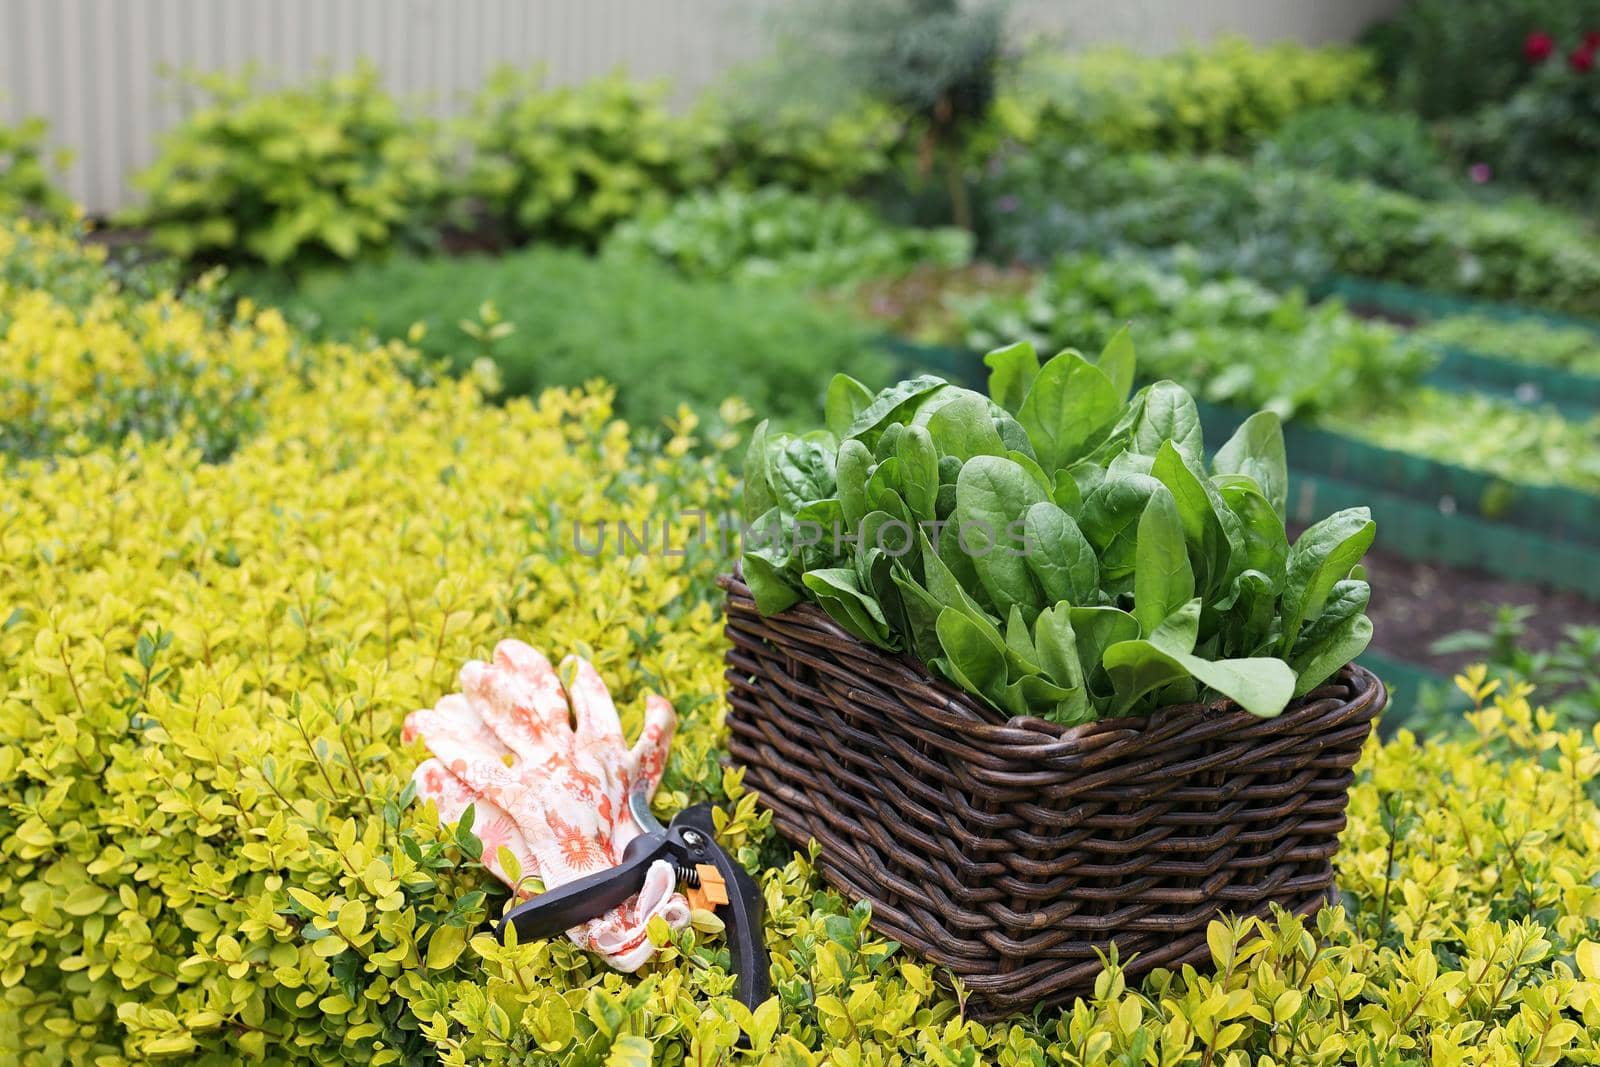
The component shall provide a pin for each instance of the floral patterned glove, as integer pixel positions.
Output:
(548, 773)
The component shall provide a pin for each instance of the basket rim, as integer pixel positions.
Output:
(1351, 685)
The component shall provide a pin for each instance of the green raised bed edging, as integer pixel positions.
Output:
(1556, 514)
(1412, 303)
(1575, 395)
(1420, 531)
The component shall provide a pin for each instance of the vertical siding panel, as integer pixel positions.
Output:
(95, 68)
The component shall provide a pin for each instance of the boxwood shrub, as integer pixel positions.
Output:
(212, 856)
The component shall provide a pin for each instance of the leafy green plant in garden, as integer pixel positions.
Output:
(1452, 57)
(332, 170)
(567, 163)
(1528, 446)
(1546, 136)
(1055, 548)
(1389, 148)
(1221, 97)
(799, 143)
(1567, 348)
(26, 183)
(780, 235)
(1292, 226)
(1229, 340)
(563, 318)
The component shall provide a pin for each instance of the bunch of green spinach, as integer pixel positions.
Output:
(1057, 548)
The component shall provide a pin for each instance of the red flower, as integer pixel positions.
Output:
(1582, 60)
(1592, 39)
(1538, 47)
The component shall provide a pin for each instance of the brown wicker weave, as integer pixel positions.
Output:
(1010, 851)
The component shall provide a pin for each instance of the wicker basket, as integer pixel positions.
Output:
(1012, 852)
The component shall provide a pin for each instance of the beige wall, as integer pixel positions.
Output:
(95, 68)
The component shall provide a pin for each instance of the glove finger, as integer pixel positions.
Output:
(648, 758)
(548, 700)
(453, 714)
(524, 707)
(622, 936)
(490, 823)
(592, 708)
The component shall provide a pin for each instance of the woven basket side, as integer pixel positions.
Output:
(1014, 852)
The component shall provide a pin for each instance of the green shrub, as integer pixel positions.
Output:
(564, 319)
(26, 184)
(1232, 341)
(1287, 226)
(1388, 148)
(797, 143)
(210, 857)
(778, 235)
(1569, 348)
(330, 170)
(1223, 97)
(1055, 548)
(567, 163)
(1546, 136)
(1450, 57)
(87, 362)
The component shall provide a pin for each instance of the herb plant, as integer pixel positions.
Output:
(1054, 548)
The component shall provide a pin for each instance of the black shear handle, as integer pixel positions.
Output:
(575, 903)
(745, 911)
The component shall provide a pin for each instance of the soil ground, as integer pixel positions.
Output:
(1416, 603)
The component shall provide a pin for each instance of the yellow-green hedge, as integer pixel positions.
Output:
(1218, 98)
(209, 857)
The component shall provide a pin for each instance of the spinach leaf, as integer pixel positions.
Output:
(963, 428)
(1110, 521)
(919, 472)
(1256, 451)
(1118, 363)
(1169, 415)
(974, 655)
(1334, 638)
(1262, 686)
(1163, 581)
(758, 494)
(1067, 410)
(853, 466)
(847, 399)
(1011, 371)
(1322, 556)
(839, 592)
(992, 494)
(890, 403)
(1059, 556)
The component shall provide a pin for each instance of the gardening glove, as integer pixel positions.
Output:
(548, 774)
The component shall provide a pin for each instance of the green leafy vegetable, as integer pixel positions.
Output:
(1057, 548)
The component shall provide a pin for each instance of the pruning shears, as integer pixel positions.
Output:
(689, 844)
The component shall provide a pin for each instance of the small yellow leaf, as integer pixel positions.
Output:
(1588, 955)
